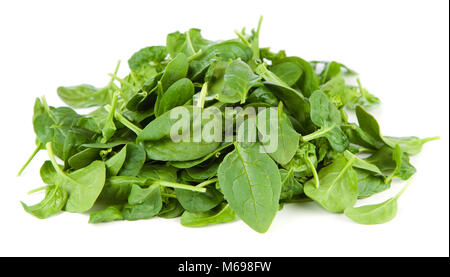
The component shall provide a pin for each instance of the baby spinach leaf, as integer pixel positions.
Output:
(159, 172)
(221, 214)
(294, 101)
(177, 94)
(288, 138)
(288, 72)
(115, 163)
(85, 96)
(222, 51)
(143, 203)
(325, 115)
(84, 187)
(383, 159)
(199, 201)
(251, 184)
(205, 171)
(263, 95)
(171, 209)
(216, 153)
(375, 214)
(84, 158)
(53, 202)
(175, 70)
(409, 145)
(111, 213)
(146, 55)
(188, 43)
(338, 186)
(361, 163)
(135, 158)
(290, 187)
(237, 81)
(369, 183)
(159, 145)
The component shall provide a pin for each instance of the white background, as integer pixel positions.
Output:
(400, 48)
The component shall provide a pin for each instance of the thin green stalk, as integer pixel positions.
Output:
(36, 190)
(114, 105)
(125, 121)
(168, 195)
(317, 134)
(202, 95)
(38, 147)
(207, 182)
(290, 172)
(58, 169)
(47, 108)
(189, 42)
(429, 139)
(404, 188)
(241, 37)
(195, 55)
(179, 186)
(314, 172)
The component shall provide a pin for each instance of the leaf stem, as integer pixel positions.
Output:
(244, 40)
(207, 182)
(38, 147)
(195, 55)
(126, 122)
(58, 169)
(189, 42)
(425, 140)
(404, 188)
(317, 134)
(202, 95)
(36, 190)
(314, 172)
(179, 186)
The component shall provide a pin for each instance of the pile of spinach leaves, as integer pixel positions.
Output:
(118, 163)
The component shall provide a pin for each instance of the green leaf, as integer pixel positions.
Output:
(221, 214)
(174, 71)
(177, 94)
(84, 158)
(199, 201)
(111, 213)
(288, 138)
(383, 159)
(238, 79)
(84, 187)
(294, 101)
(159, 172)
(188, 43)
(115, 163)
(158, 144)
(84, 96)
(338, 186)
(146, 55)
(223, 51)
(288, 72)
(53, 202)
(369, 184)
(135, 158)
(251, 184)
(375, 214)
(143, 203)
(409, 145)
(325, 115)
(290, 187)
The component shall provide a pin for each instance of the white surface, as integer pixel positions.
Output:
(401, 49)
